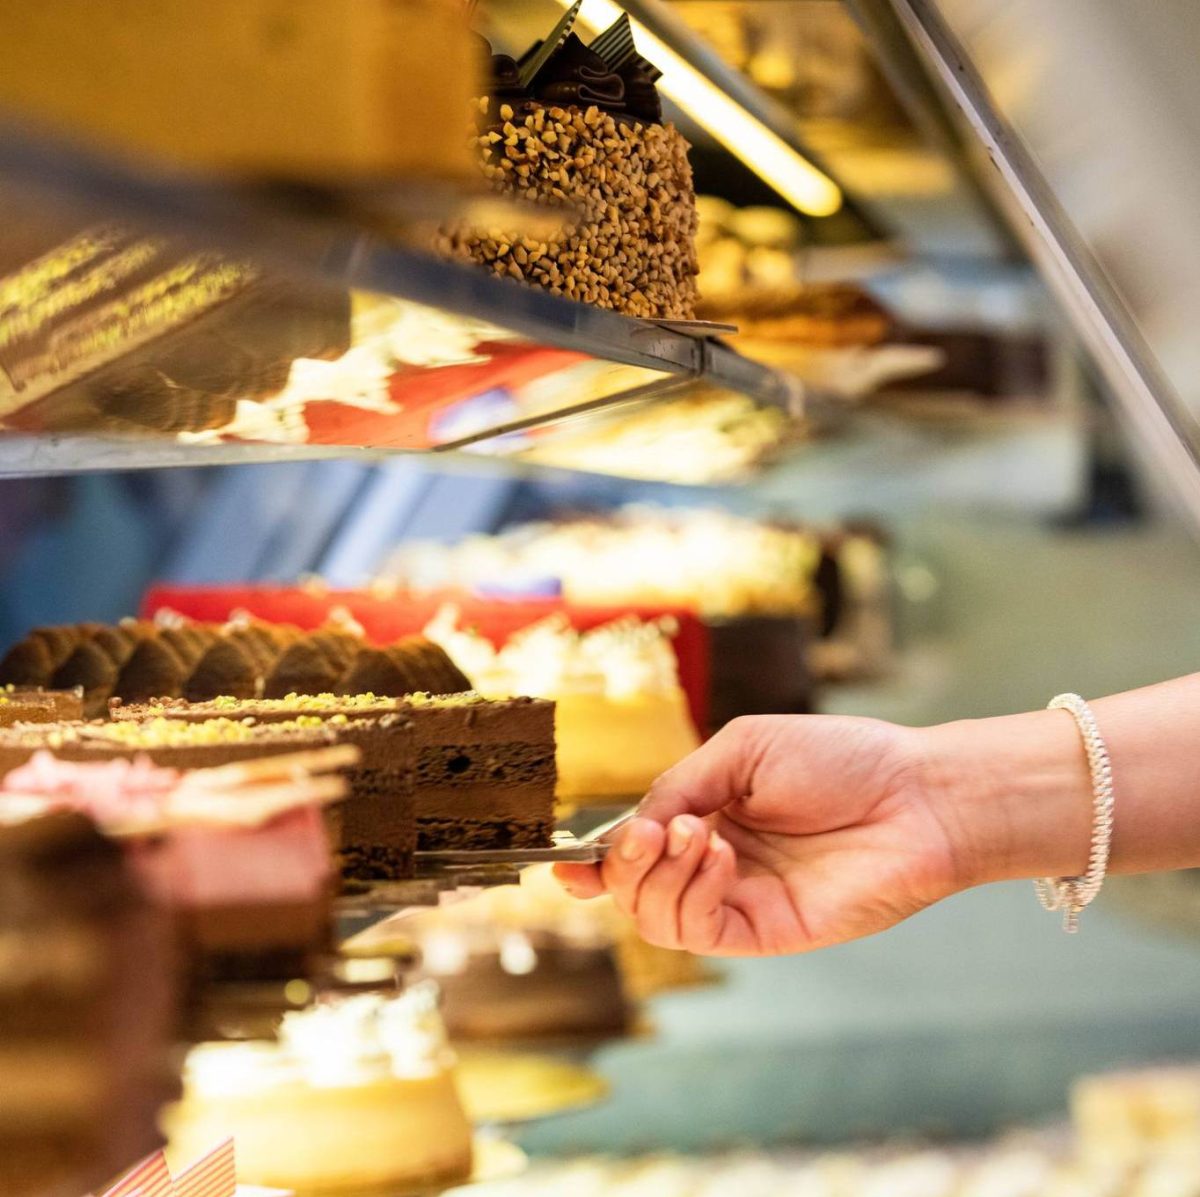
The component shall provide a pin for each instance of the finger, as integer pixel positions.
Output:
(580, 880)
(716, 774)
(658, 902)
(703, 915)
(634, 853)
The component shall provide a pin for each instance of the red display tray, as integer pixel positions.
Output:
(385, 619)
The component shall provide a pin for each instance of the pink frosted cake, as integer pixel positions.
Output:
(239, 854)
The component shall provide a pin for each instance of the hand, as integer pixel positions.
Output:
(782, 834)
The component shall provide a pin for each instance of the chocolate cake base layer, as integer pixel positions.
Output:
(378, 826)
(571, 991)
(258, 926)
(434, 834)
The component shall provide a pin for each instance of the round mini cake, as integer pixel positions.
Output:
(357, 1097)
(583, 125)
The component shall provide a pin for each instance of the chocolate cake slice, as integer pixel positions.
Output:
(38, 706)
(378, 833)
(484, 770)
(88, 1006)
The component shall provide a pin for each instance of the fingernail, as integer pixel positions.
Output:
(629, 847)
(679, 836)
(713, 853)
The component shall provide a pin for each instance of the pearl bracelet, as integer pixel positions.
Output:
(1072, 894)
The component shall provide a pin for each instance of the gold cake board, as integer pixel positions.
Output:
(505, 1087)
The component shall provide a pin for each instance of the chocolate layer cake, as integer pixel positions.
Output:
(87, 1010)
(377, 833)
(165, 742)
(38, 706)
(554, 991)
(484, 770)
(583, 124)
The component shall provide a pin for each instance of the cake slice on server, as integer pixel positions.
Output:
(484, 770)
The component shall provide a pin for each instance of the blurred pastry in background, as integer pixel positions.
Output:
(88, 1007)
(357, 1095)
(529, 963)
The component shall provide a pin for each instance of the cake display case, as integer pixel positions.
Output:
(548, 347)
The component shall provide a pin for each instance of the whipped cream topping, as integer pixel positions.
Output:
(718, 564)
(338, 1042)
(550, 659)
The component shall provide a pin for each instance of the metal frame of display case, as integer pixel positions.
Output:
(314, 238)
(1065, 261)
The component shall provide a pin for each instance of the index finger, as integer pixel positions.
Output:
(716, 774)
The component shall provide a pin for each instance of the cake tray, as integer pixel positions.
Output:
(442, 875)
(565, 847)
(505, 1087)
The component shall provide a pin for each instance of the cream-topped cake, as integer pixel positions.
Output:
(357, 1096)
(621, 717)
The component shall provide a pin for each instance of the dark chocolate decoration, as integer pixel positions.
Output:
(577, 76)
(609, 74)
(641, 96)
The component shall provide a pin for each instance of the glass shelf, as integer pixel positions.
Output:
(150, 320)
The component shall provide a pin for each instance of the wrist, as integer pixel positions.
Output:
(1013, 795)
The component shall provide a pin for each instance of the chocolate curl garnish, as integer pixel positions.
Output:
(577, 76)
(214, 1175)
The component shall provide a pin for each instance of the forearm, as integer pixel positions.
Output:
(1015, 794)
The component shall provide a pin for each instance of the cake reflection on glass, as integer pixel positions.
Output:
(357, 1096)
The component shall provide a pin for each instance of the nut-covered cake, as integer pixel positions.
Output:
(583, 125)
(484, 770)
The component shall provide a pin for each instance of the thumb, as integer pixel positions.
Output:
(718, 773)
